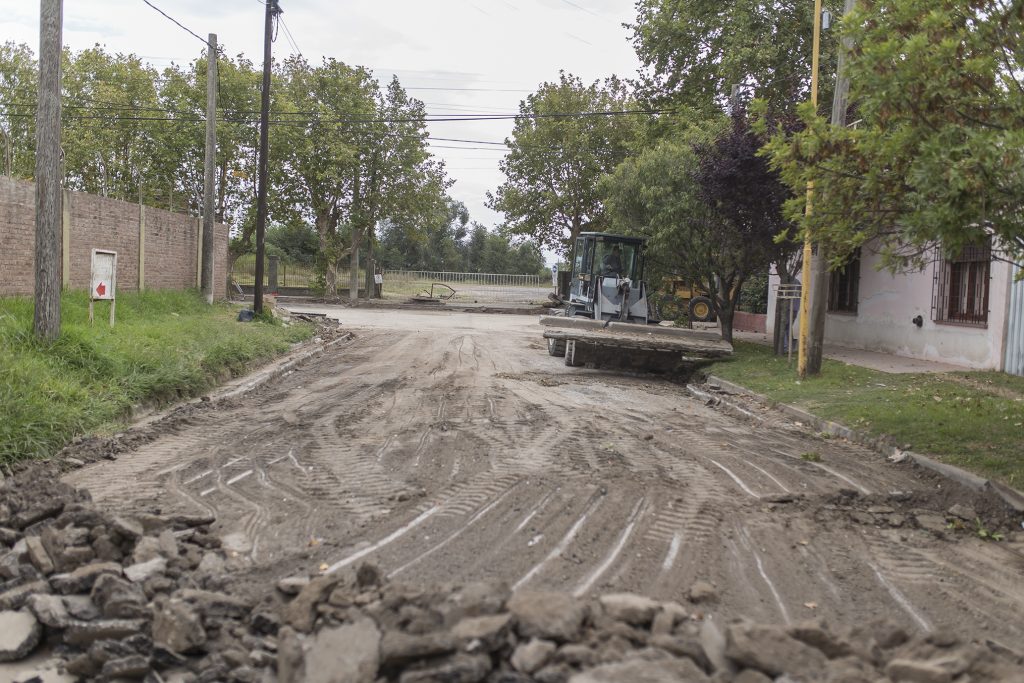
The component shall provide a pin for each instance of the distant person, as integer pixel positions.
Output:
(612, 262)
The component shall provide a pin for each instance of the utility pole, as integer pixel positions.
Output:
(805, 289)
(261, 191)
(819, 262)
(49, 202)
(206, 279)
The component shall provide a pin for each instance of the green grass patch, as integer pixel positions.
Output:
(974, 420)
(164, 347)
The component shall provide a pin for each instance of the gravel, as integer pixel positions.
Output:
(123, 598)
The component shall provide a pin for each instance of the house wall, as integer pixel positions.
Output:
(171, 242)
(888, 303)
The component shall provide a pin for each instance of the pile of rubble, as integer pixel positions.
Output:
(99, 596)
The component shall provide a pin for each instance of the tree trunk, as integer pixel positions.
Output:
(330, 268)
(369, 267)
(725, 318)
(222, 191)
(353, 275)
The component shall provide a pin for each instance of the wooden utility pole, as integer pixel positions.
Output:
(805, 291)
(819, 262)
(261, 190)
(206, 280)
(46, 319)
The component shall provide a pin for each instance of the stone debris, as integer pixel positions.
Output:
(19, 634)
(140, 598)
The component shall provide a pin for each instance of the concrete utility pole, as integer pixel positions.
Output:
(805, 290)
(819, 262)
(206, 281)
(261, 191)
(46, 319)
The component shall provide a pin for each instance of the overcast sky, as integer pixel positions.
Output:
(458, 56)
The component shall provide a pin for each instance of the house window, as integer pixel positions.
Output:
(844, 286)
(960, 287)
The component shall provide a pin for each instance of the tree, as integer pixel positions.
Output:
(297, 240)
(936, 157)
(710, 206)
(693, 52)
(317, 158)
(19, 74)
(554, 164)
(108, 138)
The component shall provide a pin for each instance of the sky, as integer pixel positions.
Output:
(457, 56)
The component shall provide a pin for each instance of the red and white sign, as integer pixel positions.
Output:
(104, 275)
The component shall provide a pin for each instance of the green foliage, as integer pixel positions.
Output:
(554, 164)
(453, 244)
(936, 156)
(693, 52)
(295, 240)
(710, 206)
(165, 346)
(811, 456)
(754, 295)
(972, 419)
(18, 74)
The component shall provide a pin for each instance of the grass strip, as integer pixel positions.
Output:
(164, 347)
(973, 420)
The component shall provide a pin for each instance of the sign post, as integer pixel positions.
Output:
(554, 276)
(103, 281)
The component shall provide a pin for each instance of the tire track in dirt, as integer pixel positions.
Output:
(455, 449)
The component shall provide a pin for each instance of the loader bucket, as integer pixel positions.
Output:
(643, 348)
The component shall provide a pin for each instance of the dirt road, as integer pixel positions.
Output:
(452, 447)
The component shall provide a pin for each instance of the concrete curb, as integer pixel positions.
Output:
(242, 385)
(1012, 497)
(282, 366)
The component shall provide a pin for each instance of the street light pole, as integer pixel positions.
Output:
(805, 289)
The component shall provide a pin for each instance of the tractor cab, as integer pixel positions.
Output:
(607, 278)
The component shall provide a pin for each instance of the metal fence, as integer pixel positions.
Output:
(289, 273)
(469, 287)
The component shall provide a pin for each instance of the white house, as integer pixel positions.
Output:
(967, 311)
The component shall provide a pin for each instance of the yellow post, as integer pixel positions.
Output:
(805, 284)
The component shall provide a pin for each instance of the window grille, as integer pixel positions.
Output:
(960, 287)
(844, 286)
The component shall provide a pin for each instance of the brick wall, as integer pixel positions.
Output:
(171, 242)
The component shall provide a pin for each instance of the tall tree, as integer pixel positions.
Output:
(108, 133)
(19, 74)
(557, 154)
(936, 156)
(710, 205)
(694, 52)
(318, 158)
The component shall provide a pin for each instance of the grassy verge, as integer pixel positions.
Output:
(974, 420)
(165, 346)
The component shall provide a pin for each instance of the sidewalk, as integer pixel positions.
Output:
(883, 362)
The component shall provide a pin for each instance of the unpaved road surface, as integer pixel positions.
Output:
(452, 447)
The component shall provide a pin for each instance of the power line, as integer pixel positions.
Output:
(450, 119)
(481, 149)
(180, 25)
(290, 37)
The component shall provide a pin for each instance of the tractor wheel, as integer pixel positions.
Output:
(556, 347)
(701, 310)
(570, 355)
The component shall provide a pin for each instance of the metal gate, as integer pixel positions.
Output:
(470, 287)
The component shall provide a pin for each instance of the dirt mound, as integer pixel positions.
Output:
(150, 597)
